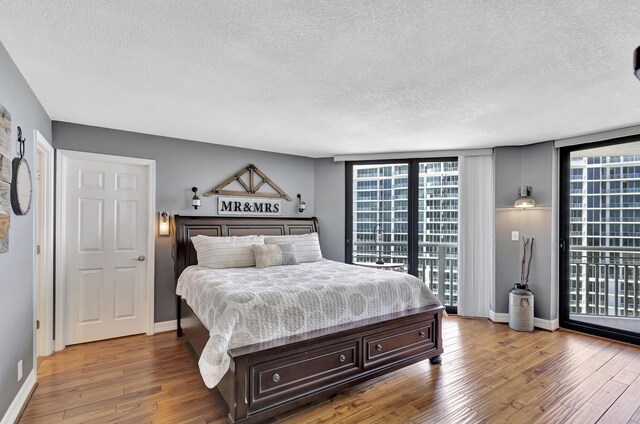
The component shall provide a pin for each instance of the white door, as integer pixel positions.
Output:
(106, 217)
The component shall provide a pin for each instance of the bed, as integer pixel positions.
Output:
(265, 379)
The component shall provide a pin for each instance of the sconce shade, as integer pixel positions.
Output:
(636, 62)
(163, 225)
(195, 201)
(302, 206)
(524, 201)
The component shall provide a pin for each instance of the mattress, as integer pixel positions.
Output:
(243, 306)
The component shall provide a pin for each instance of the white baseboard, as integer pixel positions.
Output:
(498, 317)
(21, 399)
(545, 324)
(160, 327)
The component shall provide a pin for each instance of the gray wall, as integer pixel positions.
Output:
(514, 166)
(180, 165)
(330, 207)
(17, 266)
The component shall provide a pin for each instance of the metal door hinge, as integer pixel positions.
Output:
(37, 324)
(37, 249)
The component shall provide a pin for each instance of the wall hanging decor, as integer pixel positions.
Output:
(5, 145)
(5, 215)
(251, 207)
(21, 183)
(247, 178)
(5, 178)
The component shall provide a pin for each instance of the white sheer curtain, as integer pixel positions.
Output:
(476, 213)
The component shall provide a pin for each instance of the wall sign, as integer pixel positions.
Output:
(250, 206)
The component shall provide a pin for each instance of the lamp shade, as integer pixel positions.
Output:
(636, 62)
(302, 206)
(195, 201)
(524, 201)
(163, 225)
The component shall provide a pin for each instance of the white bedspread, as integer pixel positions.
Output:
(243, 306)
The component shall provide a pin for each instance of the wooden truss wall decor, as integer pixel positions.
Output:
(251, 189)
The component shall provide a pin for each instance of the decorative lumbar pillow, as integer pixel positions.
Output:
(307, 245)
(226, 252)
(275, 255)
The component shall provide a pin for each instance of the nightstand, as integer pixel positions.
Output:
(388, 266)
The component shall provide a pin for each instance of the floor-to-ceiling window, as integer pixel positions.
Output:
(438, 228)
(380, 199)
(405, 213)
(600, 220)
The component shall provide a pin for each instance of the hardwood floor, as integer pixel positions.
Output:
(489, 374)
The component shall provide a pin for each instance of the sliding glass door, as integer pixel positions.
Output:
(438, 228)
(600, 221)
(403, 216)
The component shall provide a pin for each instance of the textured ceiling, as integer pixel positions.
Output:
(319, 78)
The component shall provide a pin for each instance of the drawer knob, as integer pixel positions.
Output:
(421, 334)
(276, 377)
(342, 358)
(378, 347)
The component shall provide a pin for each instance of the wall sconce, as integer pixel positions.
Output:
(302, 206)
(524, 201)
(163, 225)
(195, 202)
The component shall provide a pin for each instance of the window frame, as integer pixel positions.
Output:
(413, 175)
(564, 228)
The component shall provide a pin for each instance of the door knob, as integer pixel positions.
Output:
(140, 258)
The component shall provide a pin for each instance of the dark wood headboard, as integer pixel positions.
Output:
(184, 254)
(185, 227)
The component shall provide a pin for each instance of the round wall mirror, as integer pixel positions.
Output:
(21, 188)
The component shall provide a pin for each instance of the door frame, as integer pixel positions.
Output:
(43, 285)
(62, 161)
(564, 227)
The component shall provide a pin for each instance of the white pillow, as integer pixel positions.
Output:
(226, 252)
(307, 245)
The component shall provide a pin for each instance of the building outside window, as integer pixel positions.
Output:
(381, 201)
(605, 235)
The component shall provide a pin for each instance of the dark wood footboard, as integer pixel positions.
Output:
(270, 378)
(265, 380)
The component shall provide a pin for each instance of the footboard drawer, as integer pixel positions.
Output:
(299, 374)
(399, 343)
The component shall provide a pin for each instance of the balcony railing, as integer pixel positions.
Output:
(437, 264)
(605, 282)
